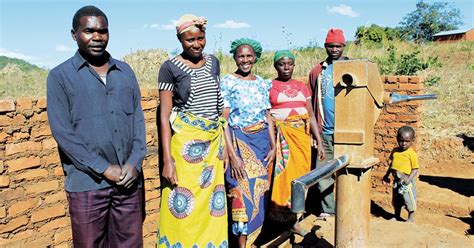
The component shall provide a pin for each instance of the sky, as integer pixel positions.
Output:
(39, 31)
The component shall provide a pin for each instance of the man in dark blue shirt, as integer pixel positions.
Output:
(96, 118)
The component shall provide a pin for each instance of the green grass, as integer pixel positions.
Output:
(21, 80)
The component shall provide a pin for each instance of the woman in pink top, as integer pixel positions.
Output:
(295, 122)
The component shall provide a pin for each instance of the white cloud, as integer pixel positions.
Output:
(231, 24)
(342, 10)
(169, 26)
(11, 54)
(63, 48)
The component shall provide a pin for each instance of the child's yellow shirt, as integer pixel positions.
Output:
(404, 161)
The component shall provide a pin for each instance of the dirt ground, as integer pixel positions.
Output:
(445, 215)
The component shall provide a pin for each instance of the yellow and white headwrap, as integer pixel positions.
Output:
(190, 21)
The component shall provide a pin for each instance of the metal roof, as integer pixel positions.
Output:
(459, 31)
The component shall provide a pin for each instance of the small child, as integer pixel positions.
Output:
(404, 168)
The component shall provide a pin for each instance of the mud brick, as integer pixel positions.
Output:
(7, 106)
(394, 109)
(4, 137)
(150, 126)
(52, 158)
(395, 124)
(18, 119)
(392, 79)
(49, 144)
(145, 92)
(67, 245)
(409, 118)
(149, 185)
(402, 80)
(13, 224)
(41, 103)
(385, 117)
(150, 115)
(31, 174)
(415, 80)
(4, 181)
(23, 163)
(3, 212)
(42, 187)
(20, 136)
(41, 241)
(149, 241)
(11, 194)
(23, 206)
(19, 236)
(63, 235)
(151, 161)
(37, 118)
(411, 86)
(150, 173)
(391, 87)
(23, 104)
(53, 224)
(56, 197)
(28, 146)
(153, 93)
(152, 194)
(150, 104)
(5, 121)
(153, 204)
(156, 183)
(58, 171)
(48, 213)
(39, 131)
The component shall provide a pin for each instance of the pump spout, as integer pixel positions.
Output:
(396, 98)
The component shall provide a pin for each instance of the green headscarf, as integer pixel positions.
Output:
(256, 46)
(281, 54)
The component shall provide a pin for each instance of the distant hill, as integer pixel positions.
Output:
(22, 65)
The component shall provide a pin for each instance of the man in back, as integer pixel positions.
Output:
(96, 118)
(321, 83)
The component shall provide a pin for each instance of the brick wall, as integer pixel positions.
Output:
(394, 116)
(33, 206)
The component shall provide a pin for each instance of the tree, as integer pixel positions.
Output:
(429, 19)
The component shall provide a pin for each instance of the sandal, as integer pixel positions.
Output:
(299, 231)
(323, 216)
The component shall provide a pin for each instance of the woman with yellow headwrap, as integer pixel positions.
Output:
(193, 210)
(294, 119)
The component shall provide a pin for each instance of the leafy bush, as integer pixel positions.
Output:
(432, 81)
(376, 34)
(405, 64)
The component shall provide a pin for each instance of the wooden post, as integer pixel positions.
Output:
(358, 100)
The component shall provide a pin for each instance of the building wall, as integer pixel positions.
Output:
(33, 206)
(468, 36)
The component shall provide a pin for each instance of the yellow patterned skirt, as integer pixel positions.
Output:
(194, 213)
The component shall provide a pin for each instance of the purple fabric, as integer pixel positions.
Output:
(106, 218)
